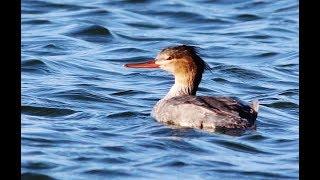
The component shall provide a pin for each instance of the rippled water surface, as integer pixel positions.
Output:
(84, 116)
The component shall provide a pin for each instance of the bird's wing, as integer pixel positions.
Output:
(225, 112)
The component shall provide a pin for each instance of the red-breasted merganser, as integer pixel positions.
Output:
(181, 106)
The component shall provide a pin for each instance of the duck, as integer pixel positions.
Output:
(181, 107)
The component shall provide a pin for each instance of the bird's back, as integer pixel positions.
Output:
(204, 112)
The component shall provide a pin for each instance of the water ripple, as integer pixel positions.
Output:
(240, 147)
(36, 176)
(45, 111)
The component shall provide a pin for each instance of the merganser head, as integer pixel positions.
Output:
(178, 60)
(182, 61)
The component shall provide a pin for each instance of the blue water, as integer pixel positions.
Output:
(85, 116)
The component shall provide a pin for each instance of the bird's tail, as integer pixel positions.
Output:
(255, 105)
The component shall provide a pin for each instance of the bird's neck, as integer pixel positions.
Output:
(185, 84)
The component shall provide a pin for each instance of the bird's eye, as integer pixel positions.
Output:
(169, 58)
